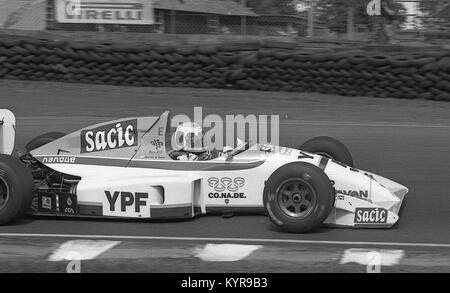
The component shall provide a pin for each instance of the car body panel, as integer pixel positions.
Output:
(125, 171)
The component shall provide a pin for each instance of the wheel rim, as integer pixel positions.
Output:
(4, 193)
(296, 198)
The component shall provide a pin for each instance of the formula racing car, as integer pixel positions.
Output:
(127, 169)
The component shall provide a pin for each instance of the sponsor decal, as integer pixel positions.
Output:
(226, 183)
(370, 216)
(340, 197)
(68, 203)
(127, 199)
(157, 143)
(58, 160)
(156, 149)
(226, 188)
(111, 136)
(46, 202)
(362, 194)
(105, 11)
(226, 195)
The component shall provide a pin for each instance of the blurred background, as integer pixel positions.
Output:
(381, 21)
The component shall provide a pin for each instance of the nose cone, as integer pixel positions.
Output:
(388, 194)
(400, 194)
(391, 185)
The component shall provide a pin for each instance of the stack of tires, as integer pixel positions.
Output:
(133, 65)
(352, 73)
(240, 65)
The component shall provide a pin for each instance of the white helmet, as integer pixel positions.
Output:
(189, 137)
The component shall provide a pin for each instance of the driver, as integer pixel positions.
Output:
(189, 138)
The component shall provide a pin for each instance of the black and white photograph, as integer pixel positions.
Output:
(223, 144)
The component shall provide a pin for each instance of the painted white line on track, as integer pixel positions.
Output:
(225, 252)
(364, 256)
(81, 249)
(209, 239)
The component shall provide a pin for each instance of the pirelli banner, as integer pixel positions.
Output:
(105, 11)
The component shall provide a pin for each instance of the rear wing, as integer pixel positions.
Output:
(7, 131)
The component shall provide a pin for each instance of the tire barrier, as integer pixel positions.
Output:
(270, 66)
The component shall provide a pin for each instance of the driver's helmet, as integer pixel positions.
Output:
(189, 136)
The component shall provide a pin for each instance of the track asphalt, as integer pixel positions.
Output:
(404, 140)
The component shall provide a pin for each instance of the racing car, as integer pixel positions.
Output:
(125, 169)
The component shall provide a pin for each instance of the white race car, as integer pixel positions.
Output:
(123, 169)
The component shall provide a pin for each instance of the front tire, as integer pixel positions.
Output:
(16, 189)
(328, 147)
(298, 197)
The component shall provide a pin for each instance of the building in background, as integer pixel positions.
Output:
(156, 16)
(169, 16)
(204, 16)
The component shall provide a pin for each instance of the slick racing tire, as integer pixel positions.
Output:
(43, 139)
(16, 189)
(328, 147)
(298, 197)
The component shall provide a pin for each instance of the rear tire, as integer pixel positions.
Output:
(328, 147)
(43, 139)
(16, 189)
(298, 197)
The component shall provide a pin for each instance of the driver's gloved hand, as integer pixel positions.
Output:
(174, 155)
(208, 155)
